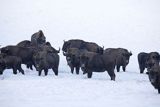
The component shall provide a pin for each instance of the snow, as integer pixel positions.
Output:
(131, 24)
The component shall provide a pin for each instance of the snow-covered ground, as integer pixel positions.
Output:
(131, 24)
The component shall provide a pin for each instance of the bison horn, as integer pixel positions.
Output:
(130, 53)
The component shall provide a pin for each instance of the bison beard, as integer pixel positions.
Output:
(120, 55)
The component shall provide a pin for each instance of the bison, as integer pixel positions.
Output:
(120, 55)
(10, 62)
(73, 59)
(24, 53)
(146, 60)
(98, 63)
(44, 61)
(154, 76)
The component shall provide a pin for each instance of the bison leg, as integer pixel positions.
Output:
(21, 70)
(159, 91)
(1, 72)
(46, 72)
(39, 73)
(141, 67)
(55, 70)
(118, 68)
(89, 75)
(29, 66)
(72, 69)
(124, 68)
(112, 75)
(14, 71)
(77, 70)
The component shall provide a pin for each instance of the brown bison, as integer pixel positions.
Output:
(98, 63)
(146, 60)
(120, 55)
(154, 76)
(10, 62)
(44, 61)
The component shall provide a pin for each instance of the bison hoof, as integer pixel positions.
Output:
(141, 72)
(159, 91)
(113, 78)
(147, 72)
(14, 73)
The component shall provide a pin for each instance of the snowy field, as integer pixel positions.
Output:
(130, 24)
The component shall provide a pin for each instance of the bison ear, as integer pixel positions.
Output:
(59, 50)
(48, 43)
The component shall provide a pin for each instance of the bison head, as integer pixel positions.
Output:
(38, 60)
(83, 63)
(65, 46)
(152, 59)
(5, 50)
(41, 38)
(126, 57)
(100, 50)
(72, 59)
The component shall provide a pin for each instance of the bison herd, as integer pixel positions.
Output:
(80, 54)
